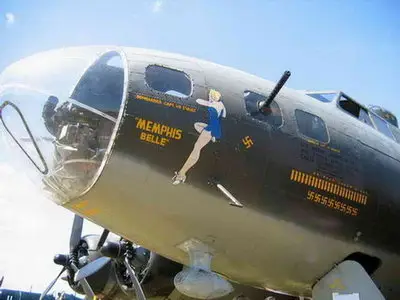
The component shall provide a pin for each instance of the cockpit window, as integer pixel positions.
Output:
(384, 114)
(396, 133)
(271, 115)
(355, 110)
(168, 81)
(323, 97)
(311, 126)
(382, 126)
(364, 117)
(102, 85)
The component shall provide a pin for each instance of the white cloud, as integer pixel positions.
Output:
(157, 5)
(31, 226)
(10, 19)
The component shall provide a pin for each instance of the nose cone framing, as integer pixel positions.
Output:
(60, 112)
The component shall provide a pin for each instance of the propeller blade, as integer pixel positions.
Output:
(85, 285)
(136, 284)
(51, 284)
(76, 232)
(87, 289)
(91, 268)
(103, 238)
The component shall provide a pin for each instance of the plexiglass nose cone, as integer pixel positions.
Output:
(59, 116)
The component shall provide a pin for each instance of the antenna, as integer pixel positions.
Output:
(276, 90)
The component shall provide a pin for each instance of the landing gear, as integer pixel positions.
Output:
(348, 280)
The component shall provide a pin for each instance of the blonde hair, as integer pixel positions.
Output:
(215, 95)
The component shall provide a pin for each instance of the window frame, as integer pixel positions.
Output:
(393, 129)
(393, 138)
(370, 113)
(341, 94)
(308, 137)
(334, 99)
(187, 75)
(372, 108)
(266, 97)
(367, 113)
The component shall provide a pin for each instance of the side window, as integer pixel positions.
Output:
(384, 114)
(364, 117)
(323, 97)
(382, 126)
(396, 133)
(355, 109)
(271, 115)
(311, 126)
(168, 81)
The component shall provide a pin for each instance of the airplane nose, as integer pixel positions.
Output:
(62, 139)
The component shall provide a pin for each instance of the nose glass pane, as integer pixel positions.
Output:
(60, 144)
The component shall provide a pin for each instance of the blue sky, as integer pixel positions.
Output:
(349, 45)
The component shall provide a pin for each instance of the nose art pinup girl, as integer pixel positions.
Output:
(208, 132)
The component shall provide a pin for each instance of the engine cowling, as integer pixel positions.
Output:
(155, 272)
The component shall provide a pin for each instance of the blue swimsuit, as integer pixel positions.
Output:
(214, 125)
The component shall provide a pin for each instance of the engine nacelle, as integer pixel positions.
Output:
(155, 272)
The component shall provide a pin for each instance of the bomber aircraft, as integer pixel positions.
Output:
(220, 184)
